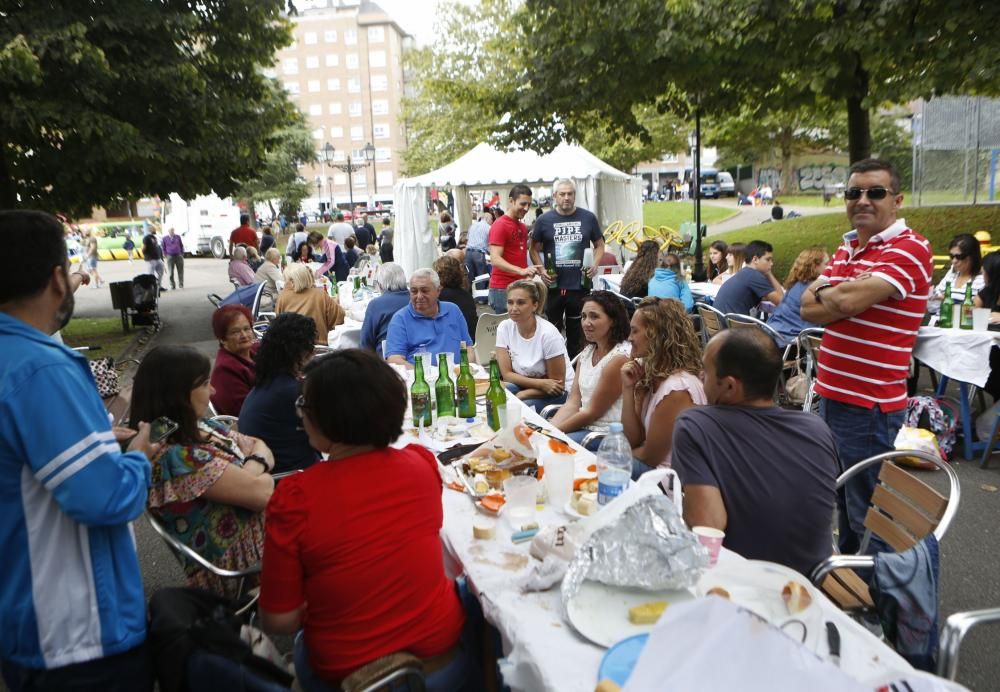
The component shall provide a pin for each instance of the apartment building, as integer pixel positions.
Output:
(344, 71)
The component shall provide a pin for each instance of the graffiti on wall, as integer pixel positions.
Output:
(821, 176)
(769, 176)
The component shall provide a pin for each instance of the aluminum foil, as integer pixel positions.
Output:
(648, 547)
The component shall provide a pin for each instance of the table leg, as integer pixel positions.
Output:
(967, 441)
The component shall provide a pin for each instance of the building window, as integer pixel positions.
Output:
(352, 61)
(339, 155)
(350, 37)
(312, 62)
(333, 85)
(334, 108)
(269, 72)
(310, 38)
(336, 132)
(318, 133)
(316, 109)
(330, 36)
(379, 82)
(360, 180)
(332, 60)
(357, 132)
(381, 131)
(292, 88)
(354, 85)
(313, 85)
(376, 58)
(376, 34)
(290, 66)
(354, 109)
(380, 107)
(383, 154)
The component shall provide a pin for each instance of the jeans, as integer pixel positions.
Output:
(130, 671)
(537, 404)
(475, 263)
(155, 267)
(860, 433)
(569, 303)
(578, 437)
(639, 467)
(498, 300)
(175, 262)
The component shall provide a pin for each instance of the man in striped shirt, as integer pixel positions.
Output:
(871, 299)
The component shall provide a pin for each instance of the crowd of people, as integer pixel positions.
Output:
(350, 556)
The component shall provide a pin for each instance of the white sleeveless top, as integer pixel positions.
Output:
(590, 375)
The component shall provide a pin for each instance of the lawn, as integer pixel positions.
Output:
(937, 224)
(105, 332)
(673, 214)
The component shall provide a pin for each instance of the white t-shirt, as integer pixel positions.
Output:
(590, 376)
(528, 356)
(340, 231)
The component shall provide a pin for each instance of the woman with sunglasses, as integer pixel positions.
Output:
(966, 261)
(353, 549)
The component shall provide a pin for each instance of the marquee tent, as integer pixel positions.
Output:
(604, 190)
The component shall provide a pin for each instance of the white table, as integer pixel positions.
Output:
(348, 334)
(541, 649)
(699, 289)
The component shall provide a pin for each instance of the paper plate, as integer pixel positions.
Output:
(756, 585)
(600, 612)
(620, 659)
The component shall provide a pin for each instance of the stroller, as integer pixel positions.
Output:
(145, 308)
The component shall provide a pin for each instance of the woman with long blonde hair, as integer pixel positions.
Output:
(786, 319)
(661, 381)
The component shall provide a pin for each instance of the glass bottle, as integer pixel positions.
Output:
(550, 266)
(420, 395)
(444, 390)
(965, 311)
(496, 396)
(466, 389)
(947, 308)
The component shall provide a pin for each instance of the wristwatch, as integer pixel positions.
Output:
(818, 290)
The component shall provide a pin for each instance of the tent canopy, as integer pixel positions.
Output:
(611, 194)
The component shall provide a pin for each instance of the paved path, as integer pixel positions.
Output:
(753, 216)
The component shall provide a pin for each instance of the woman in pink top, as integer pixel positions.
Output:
(662, 380)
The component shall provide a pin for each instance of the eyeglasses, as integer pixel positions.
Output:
(957, 258)
(300, 405)
(874, 193)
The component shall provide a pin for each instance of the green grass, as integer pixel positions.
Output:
(673, 214)
(105, 332)
(938, 224)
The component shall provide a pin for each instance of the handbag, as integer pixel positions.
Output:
(106, 377)
(797, 386)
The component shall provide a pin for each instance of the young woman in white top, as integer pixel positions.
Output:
(596, 397)
(966, 262)
(661, 381)
(530, 351)
(734, 262)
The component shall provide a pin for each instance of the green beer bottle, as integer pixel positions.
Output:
(550, 267)
(947, 308)
(444, 390)
(965, 311)
(420, 395)
(466, 389)
(496, 396)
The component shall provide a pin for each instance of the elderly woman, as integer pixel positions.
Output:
(233, 375)
(239, 270)
(352, 552)
(391, 281)
(455, 289)
(269, 273)
(301, 295)
(333, 257)
(254, 259)
(209, 486)
(269, 410)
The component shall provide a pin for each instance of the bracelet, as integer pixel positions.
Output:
(260, 460)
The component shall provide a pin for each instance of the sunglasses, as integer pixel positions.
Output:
(958, 258)
(874, 193)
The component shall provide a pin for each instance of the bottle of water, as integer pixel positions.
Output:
(614, 465)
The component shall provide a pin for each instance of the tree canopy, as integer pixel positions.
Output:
(278, 179)
(126, 98)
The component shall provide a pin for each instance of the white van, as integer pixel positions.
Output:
(204, 224)
(727, 187)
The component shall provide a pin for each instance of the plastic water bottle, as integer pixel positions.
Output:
(614, 465)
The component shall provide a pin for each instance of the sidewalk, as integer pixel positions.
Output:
(752, 216)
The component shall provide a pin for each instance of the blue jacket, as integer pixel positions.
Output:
(70, 589)
(665, 284)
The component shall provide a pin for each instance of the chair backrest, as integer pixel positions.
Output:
(486, 335)
(257, 298)
(739, 321)
(809, 344)
(712, 321)
(232, 423)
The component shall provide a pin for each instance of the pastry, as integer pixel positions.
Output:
(796, 597)
(718, 591)
(647, 613)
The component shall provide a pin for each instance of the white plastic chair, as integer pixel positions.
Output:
(486, 335)
(481, 293)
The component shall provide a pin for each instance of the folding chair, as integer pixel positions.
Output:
(955, 628)
(903, 511)
(486, 335)
(713, 321)
(809, 342)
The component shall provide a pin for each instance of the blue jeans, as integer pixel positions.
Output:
(639, 467)
(537, 404)
(860, 433)
(497, 300)
(578, 435)
(475, 263)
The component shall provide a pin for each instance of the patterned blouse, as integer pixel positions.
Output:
(229, 537)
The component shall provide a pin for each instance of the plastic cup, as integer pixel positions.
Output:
(711, 539)
(559, 471)
(521, 493)
(980, 319)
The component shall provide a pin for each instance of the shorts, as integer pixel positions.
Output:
(90, 263)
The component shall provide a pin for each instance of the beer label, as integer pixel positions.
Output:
(421, 407)
(462, 396)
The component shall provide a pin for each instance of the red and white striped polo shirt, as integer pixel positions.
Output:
(865, 359)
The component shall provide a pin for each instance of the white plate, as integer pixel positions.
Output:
(600, 612)
(756, 585)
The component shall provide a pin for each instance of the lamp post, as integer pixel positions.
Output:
(694, 139)
(326, 154)
(319, 194)
(349, 168)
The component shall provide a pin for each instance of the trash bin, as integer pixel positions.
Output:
(122, 300)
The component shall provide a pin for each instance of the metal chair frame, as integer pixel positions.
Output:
(955, 628)
(713, 321)
(809, 345)
(740, 321)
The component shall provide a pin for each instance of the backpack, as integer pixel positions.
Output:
(940, 416)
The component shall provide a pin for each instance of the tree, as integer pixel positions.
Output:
(125, 98)
(278, 177)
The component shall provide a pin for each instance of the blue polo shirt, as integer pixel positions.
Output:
(409, 332)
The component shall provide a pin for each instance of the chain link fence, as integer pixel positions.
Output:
(956, 151)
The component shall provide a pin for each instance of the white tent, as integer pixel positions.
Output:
(604, 190)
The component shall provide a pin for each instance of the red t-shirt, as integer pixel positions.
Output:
(864, 360)
(513, 236)
(245, 235)
(357, 539)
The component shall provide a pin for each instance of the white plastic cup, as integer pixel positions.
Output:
(558, 478)
(521, 493)
(980, 319)
(711, 539)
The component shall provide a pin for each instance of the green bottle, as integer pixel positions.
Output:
(444, 390)
(965, 311)
(496, 396)
(550, 267)
(947, 308)
(466, 389)
(420, 395)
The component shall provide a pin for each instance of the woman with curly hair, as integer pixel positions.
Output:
(662, 380)
(455, 289)
(269, 410)
(635, 283)
(595, 400)
(786, 319)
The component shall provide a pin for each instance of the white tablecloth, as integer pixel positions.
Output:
(960, 354)
(699, 289)
(348, 334)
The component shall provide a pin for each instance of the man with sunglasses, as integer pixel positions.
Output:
(871, 300)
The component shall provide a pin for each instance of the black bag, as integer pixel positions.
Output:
(185, 620)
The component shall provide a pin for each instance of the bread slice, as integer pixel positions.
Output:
(647, 613)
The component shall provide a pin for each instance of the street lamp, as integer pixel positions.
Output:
(694, 139)
(369, 155)
(326, 154)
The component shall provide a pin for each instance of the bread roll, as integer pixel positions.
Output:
(796, 597)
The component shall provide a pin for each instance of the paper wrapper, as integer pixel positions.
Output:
(646, 547)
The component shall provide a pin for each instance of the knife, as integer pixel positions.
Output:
(833, 642)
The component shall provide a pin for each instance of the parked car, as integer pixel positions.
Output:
(727, 186)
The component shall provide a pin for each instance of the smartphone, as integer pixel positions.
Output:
(162, 428)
